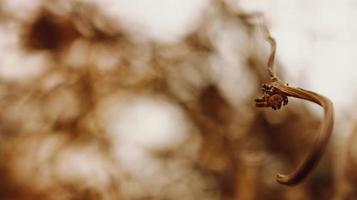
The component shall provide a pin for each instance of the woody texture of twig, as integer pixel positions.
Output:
(275, 94)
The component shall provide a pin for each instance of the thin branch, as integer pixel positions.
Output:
(275, 94)
(272, 42)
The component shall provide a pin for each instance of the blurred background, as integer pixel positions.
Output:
(154, 99)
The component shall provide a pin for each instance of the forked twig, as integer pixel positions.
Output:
(276, 93)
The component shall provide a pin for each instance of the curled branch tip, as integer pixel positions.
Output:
(275, 94)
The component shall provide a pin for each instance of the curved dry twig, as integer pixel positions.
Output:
(275, 94)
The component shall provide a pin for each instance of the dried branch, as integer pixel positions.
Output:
(275, 94)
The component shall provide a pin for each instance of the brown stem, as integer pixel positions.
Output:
(272, 42)
(275, 94)
(321, 140)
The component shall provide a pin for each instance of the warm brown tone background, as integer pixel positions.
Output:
(99, 102)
